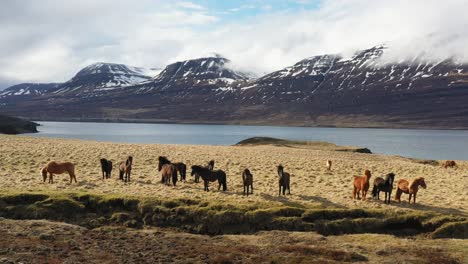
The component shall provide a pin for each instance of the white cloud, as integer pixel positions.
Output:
(190, 5)
(51, 40)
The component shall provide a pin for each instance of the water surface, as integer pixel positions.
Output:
(426, 144)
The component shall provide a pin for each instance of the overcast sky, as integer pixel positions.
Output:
(50, 40)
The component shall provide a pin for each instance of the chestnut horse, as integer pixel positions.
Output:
(284, 180)
(385, 185)
(125, 169)
(450, 164)
(329, 165)
(411, 188)
(247, 180)
(54, 167)
(361, 184)
(106, 168)
(168, 172)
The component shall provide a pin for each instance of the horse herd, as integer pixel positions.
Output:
(170, 171)
(385, 184)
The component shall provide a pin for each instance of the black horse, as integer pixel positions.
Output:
(383, 185)
(247, 180)
(210, 166)
(182, 170)
(283, 180)
(210, 176)
(106, 167)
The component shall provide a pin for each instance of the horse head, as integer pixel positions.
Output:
(129, 161)
(368, 174)
(422, 182)
(194, 170)
(390, 178)
(162, 160)
(211, 164)
(280, 170)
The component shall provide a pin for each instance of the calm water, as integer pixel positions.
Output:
(428, 144)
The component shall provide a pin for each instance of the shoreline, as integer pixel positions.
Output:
(237, 123)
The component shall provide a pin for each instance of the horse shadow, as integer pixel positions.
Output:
(425, 207)
(323, 201)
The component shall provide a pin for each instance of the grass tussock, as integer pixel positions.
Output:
(326, 253)
(215, 218)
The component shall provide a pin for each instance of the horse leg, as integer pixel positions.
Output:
(244, 189)
(289, 189)
(251, 188)
(279, 193)
(414, 198)
(51, 178)
(409, 200)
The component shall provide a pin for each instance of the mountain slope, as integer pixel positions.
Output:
(331, 90)
(103, 76)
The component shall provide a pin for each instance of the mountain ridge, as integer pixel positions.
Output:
(324, 90)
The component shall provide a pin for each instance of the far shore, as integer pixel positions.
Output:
(243, 123)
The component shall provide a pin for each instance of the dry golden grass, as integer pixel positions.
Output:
(311, 184)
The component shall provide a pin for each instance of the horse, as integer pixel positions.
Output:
(329, 165)
(384, 185)
(210, 176)
(361, 184)
(125, 169)
(247, 180)
(167, 174)
(54, 167)
(450, 164)
(106, 167)
(210, 166)
(411, 188)
(283, 180)
(182, 170)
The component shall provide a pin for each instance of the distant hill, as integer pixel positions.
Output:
(13, 125)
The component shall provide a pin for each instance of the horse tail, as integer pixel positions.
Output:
(374, 190)
(224, 180)
(174, 176)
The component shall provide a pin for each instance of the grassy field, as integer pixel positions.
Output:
(319, 221)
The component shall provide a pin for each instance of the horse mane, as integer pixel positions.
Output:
(389, 178)
(129, 160)
(414, 181)
(163, 160)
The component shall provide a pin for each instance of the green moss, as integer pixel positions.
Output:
(452, 230)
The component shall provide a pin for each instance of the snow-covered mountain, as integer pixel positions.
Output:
(365, 89)
(103, 77)
(198, 75)
(29, 89)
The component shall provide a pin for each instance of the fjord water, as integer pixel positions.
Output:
(424, 144)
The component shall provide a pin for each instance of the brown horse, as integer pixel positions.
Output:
(284, 180)
(247, 179)
(125, 169)
(54, 167)
(450, 164)
(411, 188)
(168, 172)
(361, 184)
(329, 165)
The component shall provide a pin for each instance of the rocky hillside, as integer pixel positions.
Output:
(363, 90)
